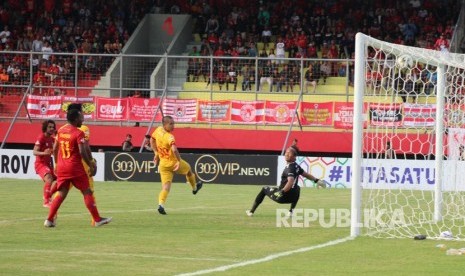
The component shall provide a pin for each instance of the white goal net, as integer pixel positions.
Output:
(409, 138)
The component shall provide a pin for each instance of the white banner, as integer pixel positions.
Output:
(19, 164)
(182, 110)
(44, 106)
(381, 173)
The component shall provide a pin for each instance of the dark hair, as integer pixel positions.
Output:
(46, 123)
(76, 106)
(147, 136)
(73, 115)
(296, 149)
(166, 118)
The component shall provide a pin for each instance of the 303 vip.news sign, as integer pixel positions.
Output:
(210, 168)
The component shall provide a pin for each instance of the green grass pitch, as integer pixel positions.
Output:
(203, 233)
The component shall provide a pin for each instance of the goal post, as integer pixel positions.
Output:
(409, 128)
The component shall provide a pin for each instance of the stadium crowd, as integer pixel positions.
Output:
(69, 26)
(290, 28)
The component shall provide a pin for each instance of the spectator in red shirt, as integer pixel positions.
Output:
(219, 52)
(221, 76)
(441, 43)
(53, 71)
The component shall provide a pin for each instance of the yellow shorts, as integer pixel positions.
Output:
(166, 172)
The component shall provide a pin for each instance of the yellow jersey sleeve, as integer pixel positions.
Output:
(86, 131)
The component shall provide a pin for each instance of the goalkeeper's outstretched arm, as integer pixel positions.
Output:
(319, 182)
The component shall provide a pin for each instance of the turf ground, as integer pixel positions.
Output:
(206, 233)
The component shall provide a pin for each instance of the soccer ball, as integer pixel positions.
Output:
(404, 61)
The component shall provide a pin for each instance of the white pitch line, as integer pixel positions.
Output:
(268, 258)
(114, 254)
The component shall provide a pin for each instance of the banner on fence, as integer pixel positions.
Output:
(385, 114)
(88, 106)
(279, 113)
(247, 112)
(344, 115)
(43, 107)
(214, 111)
(181, 110)
(316, 114)
(143, 109)
(419, 115)
(114, 109)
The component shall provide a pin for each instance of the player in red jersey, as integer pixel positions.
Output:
(43, 164)
(69, 149)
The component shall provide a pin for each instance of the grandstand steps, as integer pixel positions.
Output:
(174, 89)
(326, 88)
(261, 96)
(334, 90)
(101, 88)
(142, 76)
(181, 64)
(9, 105)
(334, 81)
(176, 82)
(178, 73)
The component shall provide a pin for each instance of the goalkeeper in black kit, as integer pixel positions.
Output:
(288, 190)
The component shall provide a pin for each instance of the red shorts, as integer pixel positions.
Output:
(43, 170)
(81, 182)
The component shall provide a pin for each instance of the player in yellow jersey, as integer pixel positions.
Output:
(169, 160)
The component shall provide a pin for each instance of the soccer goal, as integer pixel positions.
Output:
(408, 173)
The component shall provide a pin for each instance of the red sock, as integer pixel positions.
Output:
(54, 207)
(47, 193)
(90, 204)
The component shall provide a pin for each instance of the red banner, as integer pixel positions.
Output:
(88, 106)
(344, 115)
(214, 111)
(247, 112)
(112, 109)
(143, 109)
(385, 114)
(44, 106)
(316, 114)
(181, 110)
(280, 113)
(419, 115)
